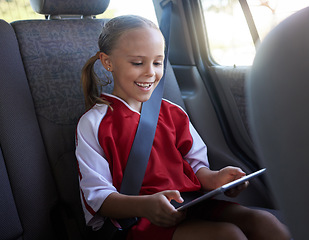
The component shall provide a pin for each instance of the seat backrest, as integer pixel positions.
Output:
(53, 58)
(26, 208)
(278, 87)
(53, 53)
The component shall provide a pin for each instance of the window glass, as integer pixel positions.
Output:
(12, 10)
(268, 13)
(229, 38)
(228, 34)
(142, 8)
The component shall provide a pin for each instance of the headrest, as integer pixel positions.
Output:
(277, 102)
(69, 7)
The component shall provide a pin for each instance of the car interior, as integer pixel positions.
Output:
(41, 101)
(277, 90)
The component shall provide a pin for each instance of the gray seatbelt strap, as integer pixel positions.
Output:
(254, 33)
(142, 144)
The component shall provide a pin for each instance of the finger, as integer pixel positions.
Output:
(234, 172)
(238, 172)
(233, 192)
(230, 192)
(243, 186)
(173, 219)
(173, 195)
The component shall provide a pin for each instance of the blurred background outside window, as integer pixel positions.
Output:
(13, 10)
(229, 38)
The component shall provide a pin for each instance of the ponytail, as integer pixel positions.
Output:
(90, 82)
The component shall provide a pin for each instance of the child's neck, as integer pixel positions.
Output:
(137, 106)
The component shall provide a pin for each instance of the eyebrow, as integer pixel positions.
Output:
(138, 56)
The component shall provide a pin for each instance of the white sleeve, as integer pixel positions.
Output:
(197, 156)
(95, 177)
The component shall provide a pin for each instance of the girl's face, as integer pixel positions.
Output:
(136, 63)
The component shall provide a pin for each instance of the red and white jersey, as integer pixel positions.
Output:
(103, 141)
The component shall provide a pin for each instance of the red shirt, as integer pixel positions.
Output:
(166, 169)
(103, 141)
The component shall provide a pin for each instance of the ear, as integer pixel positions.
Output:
(106, 61)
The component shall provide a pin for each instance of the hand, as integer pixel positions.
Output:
(229, 174)
(159, 211)
(233, 192)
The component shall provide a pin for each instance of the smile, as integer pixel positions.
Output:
(144, 85)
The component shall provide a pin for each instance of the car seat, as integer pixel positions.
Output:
(41, 101)
(277, 90)
(28, 192)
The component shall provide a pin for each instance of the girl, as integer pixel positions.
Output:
(132, 49)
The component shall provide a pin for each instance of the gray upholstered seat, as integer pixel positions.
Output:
(41, 101)
(25, 210)
(278, 91)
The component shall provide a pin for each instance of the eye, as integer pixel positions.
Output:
(157, 63)
(136, 63)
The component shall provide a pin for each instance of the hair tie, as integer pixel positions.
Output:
(97, 56)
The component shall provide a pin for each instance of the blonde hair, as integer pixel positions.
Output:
(108, 38)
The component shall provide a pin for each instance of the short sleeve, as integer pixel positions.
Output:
(197, 156)
(94, 173)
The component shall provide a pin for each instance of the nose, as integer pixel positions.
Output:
(149, 71)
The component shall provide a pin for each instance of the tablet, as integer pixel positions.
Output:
(221, 189)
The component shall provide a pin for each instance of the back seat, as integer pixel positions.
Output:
(22, 152)
(41, 101)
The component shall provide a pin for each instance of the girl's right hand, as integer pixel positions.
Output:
(158, 210)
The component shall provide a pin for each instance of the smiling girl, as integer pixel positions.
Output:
(132, 49)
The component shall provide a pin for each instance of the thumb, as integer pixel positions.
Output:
(173, 195)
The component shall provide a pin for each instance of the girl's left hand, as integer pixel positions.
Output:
(229, 174)
(233, 192)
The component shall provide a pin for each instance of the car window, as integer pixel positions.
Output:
(13, 10)
(229, 38)
(143, 8)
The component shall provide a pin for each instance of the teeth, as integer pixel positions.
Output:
(144, 85)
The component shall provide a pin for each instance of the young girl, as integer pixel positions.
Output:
(132, 49)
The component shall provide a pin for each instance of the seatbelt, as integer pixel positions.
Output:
(142, 144)
(248, 15)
